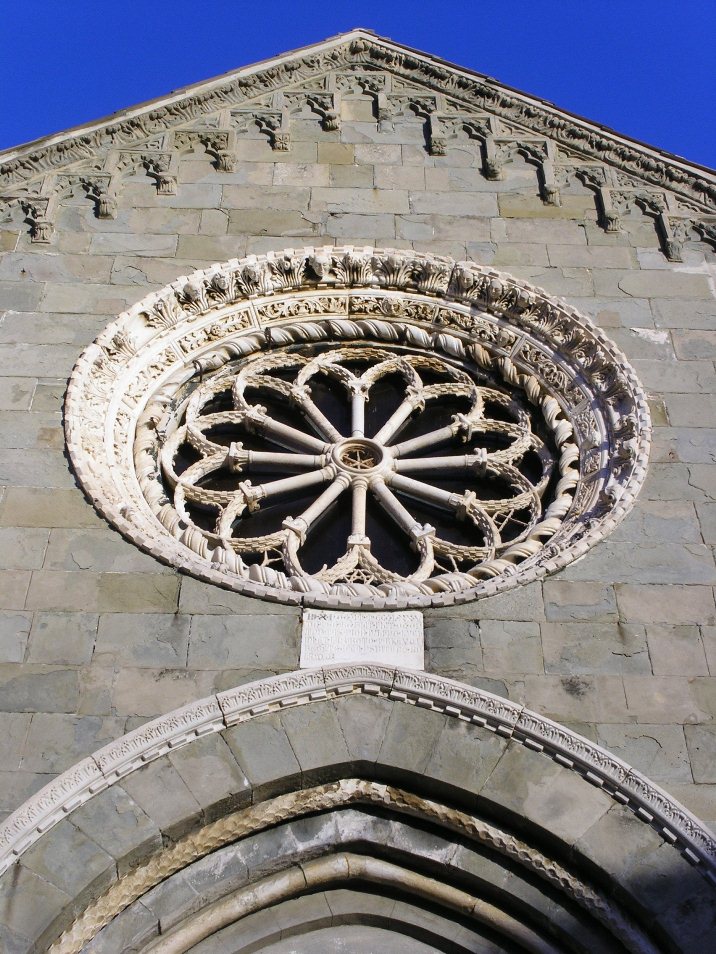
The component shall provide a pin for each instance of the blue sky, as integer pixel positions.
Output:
(647, 69)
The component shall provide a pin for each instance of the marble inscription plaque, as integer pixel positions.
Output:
(393, 639)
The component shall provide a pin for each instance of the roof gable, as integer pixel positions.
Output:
(452, 102)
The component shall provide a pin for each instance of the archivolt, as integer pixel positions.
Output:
(541, 799)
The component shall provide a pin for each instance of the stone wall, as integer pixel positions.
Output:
(97, 637)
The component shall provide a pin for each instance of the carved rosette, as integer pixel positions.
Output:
(141, 390)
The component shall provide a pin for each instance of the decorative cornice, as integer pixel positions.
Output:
(463, 90)
(456, 700)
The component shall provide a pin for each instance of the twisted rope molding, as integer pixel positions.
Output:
(651, 804)
(125, 387)
(328, 797)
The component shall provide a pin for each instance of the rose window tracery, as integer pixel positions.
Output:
(414, 435)
(359, 428)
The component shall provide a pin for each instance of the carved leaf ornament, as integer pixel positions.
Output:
(358, 427)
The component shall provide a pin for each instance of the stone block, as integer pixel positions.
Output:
(377, 154)
(314, 733)
(16, 393)
(476, 204)
(363, 721)
(587, 648)
(14, 727)
(564, 282)
(101, 550)
(350, 227)
(20, 296)
(14, 632)
(102, 592)
(707, 520)
(351, 177)
(464, 756)
(530, 205)
(152, 692)
(142, 640)
(679, 605)
(521, 253)
(17, 786)
(130, 932)
(591, 256)
(213, 222)
(30, 429)
(33, 688)
(410, 739)
(679, 377)
(56, 741)
(669, 699)
(660, 521)
(118, 825)
(67, 858)
(28, 903)
(565, 601)
(699, 799)
(38, 360)
(456, 228)
(694, 345)
(524, 603)
(676, 651)
(46, 507)
(276, 198)
(336, 153)
(14, 585)
(399, 177)
(701, 740)
(414, 227)
(299, 174)
(265, 756)
(575, 697)
(88, 299)
(48, 395)
(618, 841)
(659, 751)
(176, 811)
(617, 313)
(360, 201)
(652, 284)
(708, 636)
(204, 249)
(141, 244)
(686, 410)
(511, 646)
(693, 445)
(203, 598)
(63, 638)
(702, 478)
(530, 789)
(263, 641)
(262, 222)
(550, 231)
(680, 897)
(212, 775)
(685, 315)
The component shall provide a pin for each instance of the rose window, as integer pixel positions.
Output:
(358, 428)
(363, 465)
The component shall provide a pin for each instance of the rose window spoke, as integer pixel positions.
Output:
(268, 434)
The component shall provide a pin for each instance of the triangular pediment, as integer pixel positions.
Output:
(391, 81)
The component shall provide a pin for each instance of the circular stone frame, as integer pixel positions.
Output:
(123, 391)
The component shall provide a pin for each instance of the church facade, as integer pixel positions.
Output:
(305, 365)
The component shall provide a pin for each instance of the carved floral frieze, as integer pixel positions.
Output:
(451, 103)
(139, 392)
